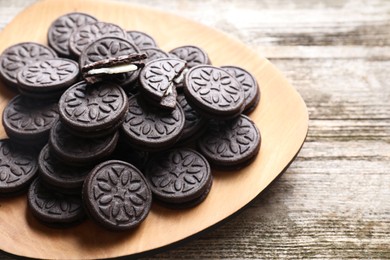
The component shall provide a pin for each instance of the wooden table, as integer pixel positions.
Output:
(334, 199)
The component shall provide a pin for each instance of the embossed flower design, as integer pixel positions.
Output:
(55, 203)
(177, 173)
(93, 105)
(230, 138)
(18, 56)
(120, 195)
(23, 116)
(49, 72)
(216, 87)
(151, 124)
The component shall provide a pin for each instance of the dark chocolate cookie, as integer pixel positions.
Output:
(157, 79)
(77, 150)
(193, 55)
(14, 58)
(58, 175)
(194, 124)
(141, 39)
(109, 47)
(230, 144)
(60, 30)
(52, 75)
(213, 92)
(18, 167)
(89, 33)
(117, 195)
(179, 176)
(154, 54)
(54, 208)
(29, 120)
(93, 110)
(149, 128)
(249, 84)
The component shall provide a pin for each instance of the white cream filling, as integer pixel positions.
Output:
(113, 70)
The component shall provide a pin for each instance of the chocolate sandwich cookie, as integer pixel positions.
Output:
(60, 30)
(193, 55)
(179, 177)
(107, 48)
(194, 124)
(29, 120)
(18, 167)
(14, 58)
(249, 84)
(80, 151)
(47, 77)
(53, 208)
(149, 128)
(89, 33)
(117, 195)
(157, 80)
(141, 39)
(230, 144)
(58, 175)
(92, 111)
(213, 92)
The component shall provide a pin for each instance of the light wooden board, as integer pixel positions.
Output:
(281, 116)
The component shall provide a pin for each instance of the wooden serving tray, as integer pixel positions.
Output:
(282, 118)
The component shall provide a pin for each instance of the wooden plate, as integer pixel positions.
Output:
(281, 117)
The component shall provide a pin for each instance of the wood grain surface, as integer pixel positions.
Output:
(334, 200)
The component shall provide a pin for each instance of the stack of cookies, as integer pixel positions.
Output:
(106, 122)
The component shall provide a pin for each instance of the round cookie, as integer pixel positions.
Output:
(81, 151)
(48, 76)
(18, 167)
(54, 208)
(29, 120)
(213, 92)
(58, 175)
(60, 30)
(149, 128)
(89, 33)
(179, 176)
(230, 144)
(249, 84)
(117, 195)
(110, 47)
(194, 124)
(15, 57)
(141, 39)
(91, 111)
(193, 55)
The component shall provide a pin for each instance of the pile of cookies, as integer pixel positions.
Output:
(105, 121)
